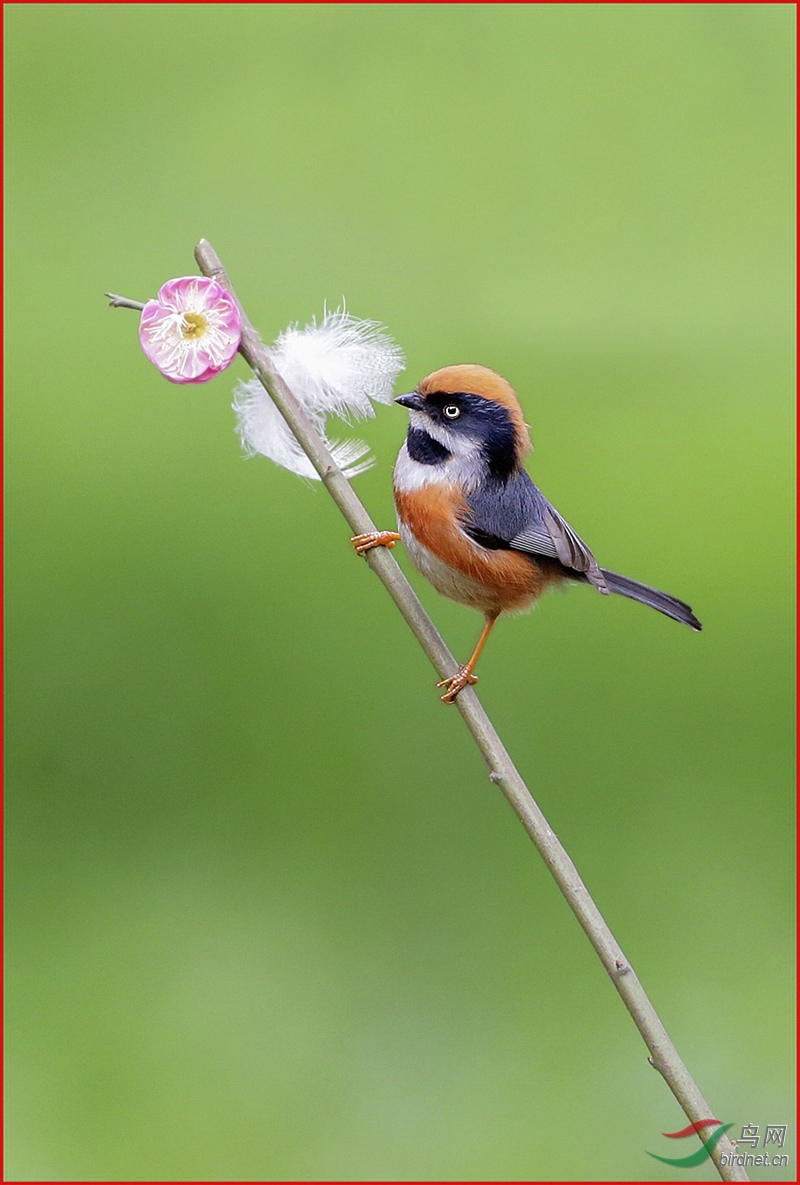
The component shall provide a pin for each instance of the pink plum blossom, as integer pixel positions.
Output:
(191, 331)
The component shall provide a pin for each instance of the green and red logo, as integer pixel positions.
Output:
(704, 1151)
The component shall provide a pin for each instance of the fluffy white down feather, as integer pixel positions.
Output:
(339, 367)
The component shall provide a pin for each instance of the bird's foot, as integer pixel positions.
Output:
(456, 683)
(365, 543)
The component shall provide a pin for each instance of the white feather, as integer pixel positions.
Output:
(339, 367)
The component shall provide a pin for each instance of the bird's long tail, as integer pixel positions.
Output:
(663, 602)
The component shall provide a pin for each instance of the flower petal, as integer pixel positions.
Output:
(196, 351)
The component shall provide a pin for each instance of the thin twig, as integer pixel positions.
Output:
(502, 772)
(122, 302)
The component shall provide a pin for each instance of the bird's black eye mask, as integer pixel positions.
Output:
(482, 419)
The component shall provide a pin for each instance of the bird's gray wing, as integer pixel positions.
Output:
(516, 515)
(556, 536)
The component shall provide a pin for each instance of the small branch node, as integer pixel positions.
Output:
(657, 1064)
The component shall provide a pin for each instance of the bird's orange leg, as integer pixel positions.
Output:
(464, 675)
(364, 543)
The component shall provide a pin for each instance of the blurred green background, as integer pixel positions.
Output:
(267, 918)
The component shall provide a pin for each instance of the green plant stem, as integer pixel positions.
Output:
(663, 1054)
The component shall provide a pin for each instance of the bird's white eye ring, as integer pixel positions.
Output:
(451, 411)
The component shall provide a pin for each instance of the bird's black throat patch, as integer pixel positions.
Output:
(424, 449)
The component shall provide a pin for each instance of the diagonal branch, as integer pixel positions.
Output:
(662, 1053)
(502, 771)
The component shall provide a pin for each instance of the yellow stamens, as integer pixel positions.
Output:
(194, 325)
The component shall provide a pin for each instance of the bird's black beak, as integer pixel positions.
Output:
(414, 401)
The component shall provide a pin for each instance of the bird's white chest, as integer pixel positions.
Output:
(409, 475)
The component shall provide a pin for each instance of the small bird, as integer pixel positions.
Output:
(471, 519)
